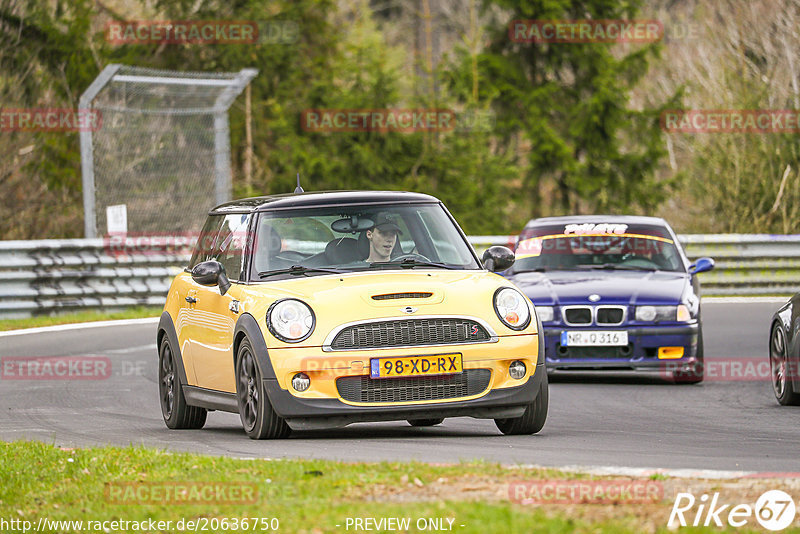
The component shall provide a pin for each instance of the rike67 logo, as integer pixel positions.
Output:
(774, 510)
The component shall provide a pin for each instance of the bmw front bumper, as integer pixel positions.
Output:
(642, 351)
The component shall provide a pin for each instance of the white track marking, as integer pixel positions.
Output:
(78, 326)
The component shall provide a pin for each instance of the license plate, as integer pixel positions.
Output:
(439, 364)
(586, 338)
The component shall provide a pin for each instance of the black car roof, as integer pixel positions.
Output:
(578, 219)
(321, 198)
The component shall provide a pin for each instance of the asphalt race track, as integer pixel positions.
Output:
(628, 420)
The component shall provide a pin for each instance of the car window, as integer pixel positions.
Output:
(206, 241)
(343, 238)
(231, 242)
(223, 238)
(597, 245)
(444, 236)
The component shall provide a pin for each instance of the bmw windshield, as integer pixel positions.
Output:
(339, 239)
(597, 246)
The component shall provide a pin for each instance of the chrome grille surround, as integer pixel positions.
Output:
(596, 313)
(565, 313)
(396, 332)
(407, 295)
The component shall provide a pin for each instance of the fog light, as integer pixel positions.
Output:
(516, 369)
(301, 382)
(670, 353)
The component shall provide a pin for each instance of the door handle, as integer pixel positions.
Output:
(191, 300)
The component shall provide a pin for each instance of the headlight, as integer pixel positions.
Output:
(512, 308)
(545, 313)
(646, 313)
(649, 314)
(290, 320)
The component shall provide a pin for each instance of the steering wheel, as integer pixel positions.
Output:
(414, 256)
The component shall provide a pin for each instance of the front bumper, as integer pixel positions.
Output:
(307, 414)
(640, 353)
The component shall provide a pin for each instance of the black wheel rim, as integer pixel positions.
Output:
(777, 362)
(166, 384)
(248, 390)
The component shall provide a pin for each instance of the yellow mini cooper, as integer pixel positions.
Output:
(317, 310)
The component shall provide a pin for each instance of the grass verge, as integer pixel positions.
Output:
(136, 484)
(80, 317)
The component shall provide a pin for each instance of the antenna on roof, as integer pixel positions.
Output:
(298, 189)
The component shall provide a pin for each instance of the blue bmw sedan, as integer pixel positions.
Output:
(613, 292)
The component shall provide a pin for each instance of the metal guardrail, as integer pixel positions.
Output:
(60, 275)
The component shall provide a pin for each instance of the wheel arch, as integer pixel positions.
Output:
(248, 327)
(166, 328)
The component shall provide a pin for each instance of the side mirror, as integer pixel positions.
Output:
(498, 258)
(211, 273)
(701, 265)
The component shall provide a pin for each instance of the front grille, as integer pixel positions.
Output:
(578, 315)
(609, 315)
(410, 332)
(418, 388)
(411, 295)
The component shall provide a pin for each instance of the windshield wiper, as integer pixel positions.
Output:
(300, 270)
(409, 263)
(615, 267)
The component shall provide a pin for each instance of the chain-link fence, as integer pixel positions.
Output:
(160, 148)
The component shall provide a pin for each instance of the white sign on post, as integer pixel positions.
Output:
(117, 219)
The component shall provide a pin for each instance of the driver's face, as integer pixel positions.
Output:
(381, 243)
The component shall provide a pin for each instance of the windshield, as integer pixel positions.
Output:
(338, 239)
(597, 246)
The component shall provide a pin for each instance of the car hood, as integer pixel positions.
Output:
(613, 287)
(348, 298)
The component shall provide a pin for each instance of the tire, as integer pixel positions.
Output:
(258, 418)
(425, 422)
(534, 417)
(697, 374)
(177, 414)
(780, 367)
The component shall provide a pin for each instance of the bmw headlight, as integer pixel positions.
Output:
(512, 308)
(545, 313)
(656, 314)
(290, 320)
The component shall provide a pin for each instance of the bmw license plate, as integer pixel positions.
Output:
(438, 364)
(600, 338)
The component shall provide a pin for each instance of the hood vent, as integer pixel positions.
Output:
(395, 296)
